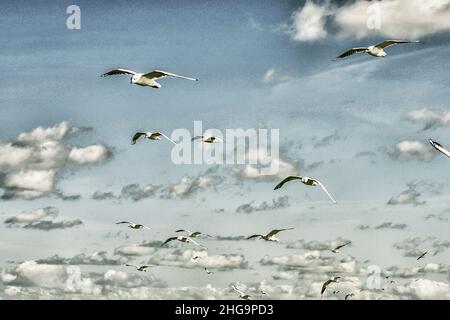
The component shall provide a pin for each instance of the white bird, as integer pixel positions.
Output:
(440, 148)
(325, 285)
(242, 294)
(146, 79)
(375, 50)
(150, 136)
(132, 225)
(269, 236)
(139, 268)
(306, 180)
(207, 139)
(192, 234)
(208, 271)
(336, 250)
(183, 239)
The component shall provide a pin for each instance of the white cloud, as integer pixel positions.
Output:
(408, 150)
(430, 118)
(33, 216)
(30, 164)
(392, 19)
(425, 289)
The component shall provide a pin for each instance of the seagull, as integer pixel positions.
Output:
(349, 295)
(139, 268)
(133, 225)
(150, 136)
(325, 285)
(195, 258)
(190, 234)
(306, 180)
(422, 255)
(182, 239)
(208, 271)
(336, 250)
(440, 148)
(242, 294)
(204, 139)
(376, 50)
(269, 236)
(147, 79)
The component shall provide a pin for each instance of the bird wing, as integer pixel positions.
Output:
(182, 230)
(254, 236)
(162, 134)
(157, 74)
(325, 286)
(121, 222)
(196, 243)
(290, 178)
(351, 52)
(325, 190)
(168, 240)
(130, 265)
(118, 71)
(136, 136)
(441, 148)
(343, 245)
(388, 43)
(237, 290)
(196, 138)
(194, 234)
(275, 231)
(422, 255)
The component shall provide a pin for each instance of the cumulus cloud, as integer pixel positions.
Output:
(327, 140)
(413, 192)
(97, 258)
(392, 19)
(31, 163)
(316, 245)
(142, 249)
(413, 150)
(430, 119)
(414, 247)
(425, 289)
(183, 259)
(188, 186)
(34, 220)
(279, 203)
(384, 226)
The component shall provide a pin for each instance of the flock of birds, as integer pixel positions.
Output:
(149, 80)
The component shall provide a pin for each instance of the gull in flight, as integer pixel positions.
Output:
(150, 136)
(440, 148)
(139, 268)
(207, 139)
(208, 271)
(132, 225)
(183, 239)
(375, 51)
(241, 293)
(270, 236)
(195, 258)
(325, 285)
(146, 79)
(336, 250)
(192, 234)
(422, 255)
(306, 180)
(349, 295)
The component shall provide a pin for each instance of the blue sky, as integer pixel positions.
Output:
(341, 122)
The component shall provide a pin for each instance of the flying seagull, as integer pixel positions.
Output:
(376, 50)
(146, 79)
(242, 294)
(133, 225)
(195, 258)
(192, 234)
(325, 285)
(207, 139)
(440, 148)
(349, 295)
(183, 239)
(270, 236)
(150, 136)
(306, 180)
(336, 250)
(208, 271)
(139, 268)
(422, 255)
